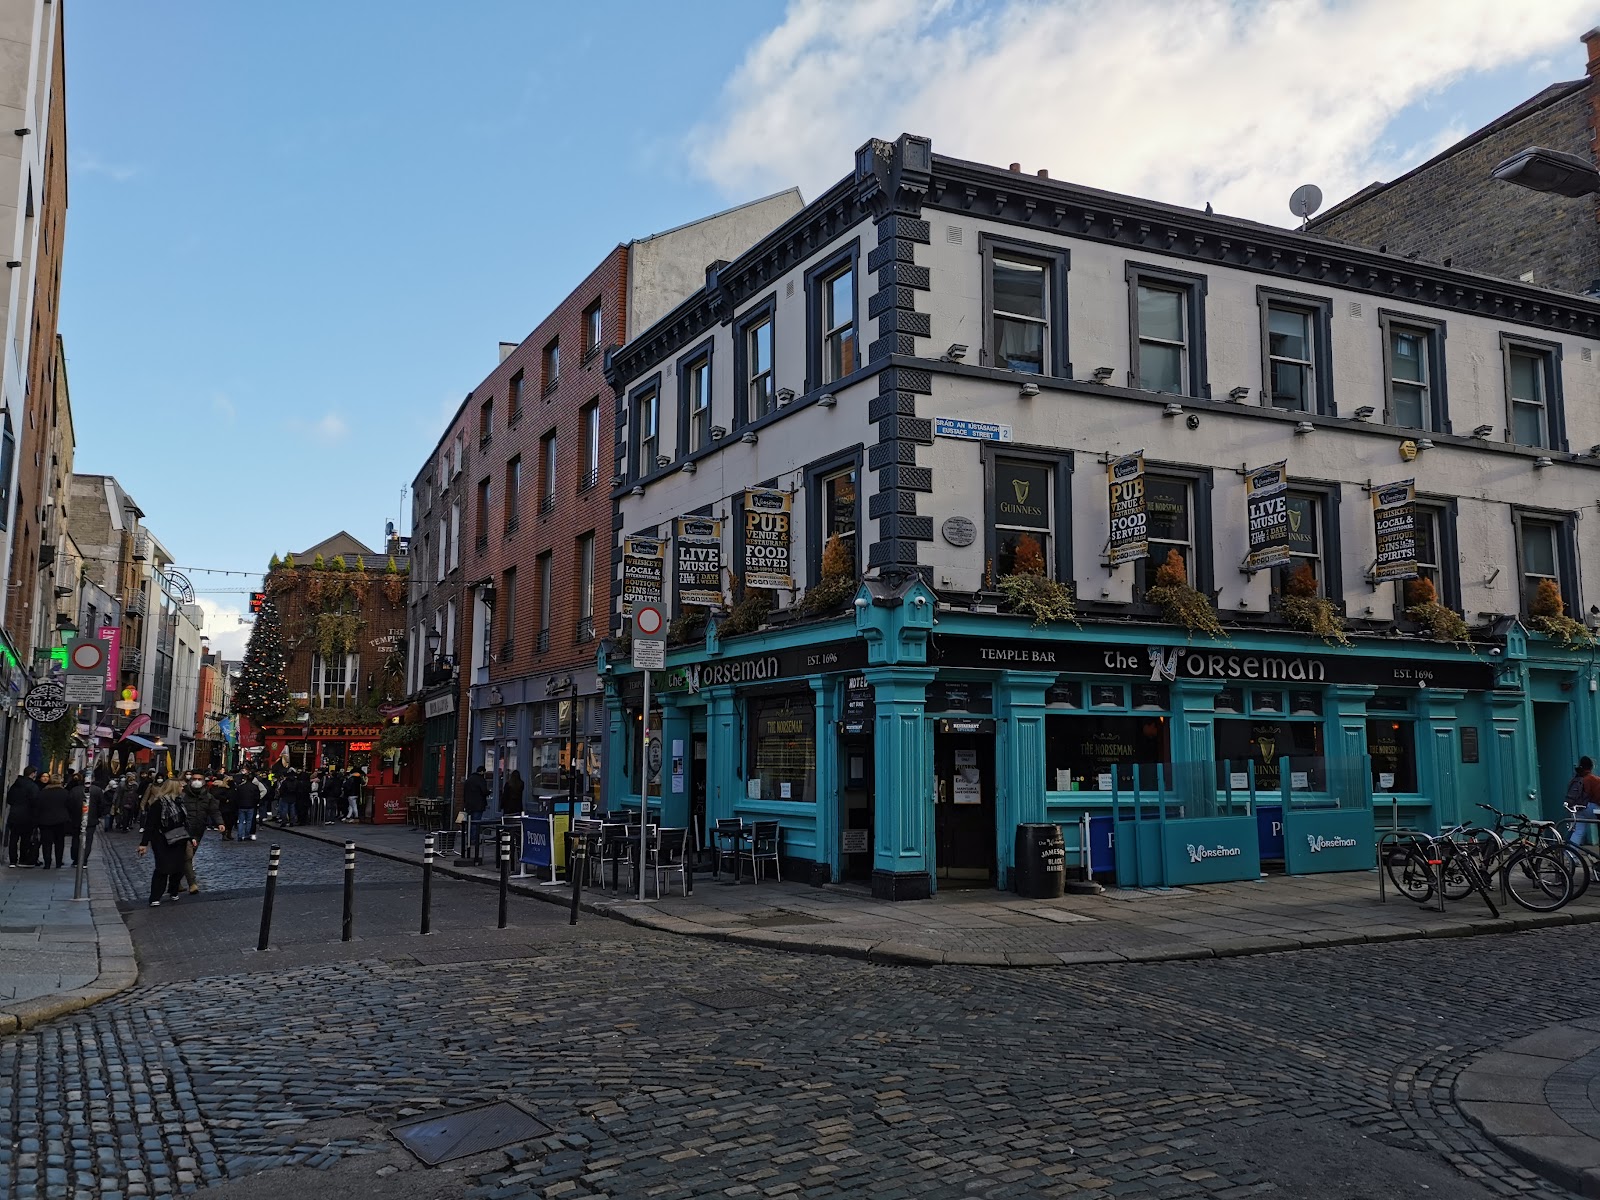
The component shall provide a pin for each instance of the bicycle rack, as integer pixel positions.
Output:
(1390, 839)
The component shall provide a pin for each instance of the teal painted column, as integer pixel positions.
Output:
(1193, 741)
(825, 689)
(1344, 739)
(723, 755)
(1019, 761)
(614, 774)
(1438, 733)
(902, 857)
(674, 738)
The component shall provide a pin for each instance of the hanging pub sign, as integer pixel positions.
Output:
(1394, 516)
(699, 541)
(644, 562)
(768, 518)
(1266, 502)
(1129, 530)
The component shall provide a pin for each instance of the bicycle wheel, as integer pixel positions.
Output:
(1540, 880)
(1410, 872)
(1580, 864)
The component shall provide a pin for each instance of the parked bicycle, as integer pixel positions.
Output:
(1416, 866)
(1535, 872)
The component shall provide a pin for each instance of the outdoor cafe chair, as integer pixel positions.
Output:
(727, 838)
(763, 847)
(669, 854)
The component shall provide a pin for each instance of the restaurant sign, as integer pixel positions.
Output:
(1171, 663)
(699, 542)
(1129, 538)
(795, 662)
(768, 518)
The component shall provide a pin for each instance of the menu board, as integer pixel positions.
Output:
(1266, 503)
(644, 562)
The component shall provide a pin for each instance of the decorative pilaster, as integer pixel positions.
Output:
(1020, 782)
(825, 689)
(902, 856)
(724, 754)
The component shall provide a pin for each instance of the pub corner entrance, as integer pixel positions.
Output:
(964, 804)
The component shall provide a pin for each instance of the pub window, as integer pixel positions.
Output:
(1296, 365)
(1392, 747)
(831, 319)
(1413, 362)
(1173, 522)
(694, 404)
(839, 500)
(1534, 414)
(1024, 297)
(782, 760)
(1023, 511)
(333, 680)
(833, 508)
(1266, 742)
(1435, 541)
(1313, 560)
(755, 392)
(1544, 554)
(1083, 753)
(646, 430)
(1166, 330)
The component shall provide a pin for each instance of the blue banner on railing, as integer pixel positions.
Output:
(1269, 829)
(1102, 845)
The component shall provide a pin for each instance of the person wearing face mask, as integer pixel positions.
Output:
(203, 812)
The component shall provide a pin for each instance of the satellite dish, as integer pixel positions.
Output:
(1306, 200)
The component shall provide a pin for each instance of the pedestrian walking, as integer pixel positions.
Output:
(352, 795)
(203, 812)
(20, 800)
(511, 795)
(314, 809)
(165, 835)
(246, 796)
(223, 789)
(77, 801)
(474, 802)
(99, 811)
(50, 817)
(333, 797)
(1583, 801)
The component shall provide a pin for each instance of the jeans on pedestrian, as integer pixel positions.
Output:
(187, 866)
(247, 823)
(1586, 829)
(52, 845)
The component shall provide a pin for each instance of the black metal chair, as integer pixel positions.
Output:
(728, 840)
(763, 847)
(669, 854)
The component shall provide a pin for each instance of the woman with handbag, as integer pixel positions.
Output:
(166, 836)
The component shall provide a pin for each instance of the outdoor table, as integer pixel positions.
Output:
(727, 840)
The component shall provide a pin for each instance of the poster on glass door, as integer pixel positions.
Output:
(1129, 538)
(1394, 517)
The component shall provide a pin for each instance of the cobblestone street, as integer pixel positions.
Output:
(677, 1067)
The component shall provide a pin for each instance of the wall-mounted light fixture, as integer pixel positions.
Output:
(1239, 394)
(1102, 374)
(1482, 432)
(1424, 444)
(1542, 462)
(1303, 427)
(1364, 413)
(748, 437)
(955, 353)
(1028, 390)
(1172, 410)
(827, 400)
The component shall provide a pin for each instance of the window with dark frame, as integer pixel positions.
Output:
(485, 422)
(542, 570)
(1434, 562)
(513, 499)
(1534, 412)
(585, 630)
(514, 399)
(1024, 516)
(507, 606)
(551, 366)
(754, 383)
(697, 405)
(646, 430)
(1544, 552)
(8, 462)
(1020, 318)
(483, 513)
(838, 306)
(1308, 543)
(590, 420)
(1413, 370)
(1171, 523)
(1166, 331)
(593, 329)
(1291, 358)
(547, 473)
(1392, 747)
(840, 497)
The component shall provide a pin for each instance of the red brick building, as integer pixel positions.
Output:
(511, 522)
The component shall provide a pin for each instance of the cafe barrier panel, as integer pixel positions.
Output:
(1177, 828)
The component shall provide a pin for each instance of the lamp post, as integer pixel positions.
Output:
(1540, 169)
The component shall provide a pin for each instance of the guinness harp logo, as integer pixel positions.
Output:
(1294, 519)
(1268, 745)
(1020, 487)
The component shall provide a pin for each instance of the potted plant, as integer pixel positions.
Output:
(837, 582)
(1548, 614)
(749, 612)
(1423, 607)
(1302, 606)
(1031, 591)
(1181, 602)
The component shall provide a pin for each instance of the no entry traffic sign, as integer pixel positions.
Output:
(649, 637)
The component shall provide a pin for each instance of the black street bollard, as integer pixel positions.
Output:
(273, 855)
(349, 931)
(505, 873)
(577, 864)
(427, 881)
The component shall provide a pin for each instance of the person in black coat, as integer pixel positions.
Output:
(202, 812)
(20, 798)
(51, 816)
(511, 795)
(166, 835)
(474, 802)
(77, 801)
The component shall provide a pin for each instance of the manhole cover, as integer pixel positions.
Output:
(466, 1132)
(736, 998)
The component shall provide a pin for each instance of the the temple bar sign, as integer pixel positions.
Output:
(1169, 663)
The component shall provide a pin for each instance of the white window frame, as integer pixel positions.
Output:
(835, 329)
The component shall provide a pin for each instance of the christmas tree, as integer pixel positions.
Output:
(263, 690)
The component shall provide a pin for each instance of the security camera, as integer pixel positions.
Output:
(1494, 651)
(861, 601)
(921, 602)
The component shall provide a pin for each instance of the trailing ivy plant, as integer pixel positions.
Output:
(1548, 614)
(338, 631)
(1423, 607)
(394, 736)
(1182, 603)
(1302, 606)
(1031, 592)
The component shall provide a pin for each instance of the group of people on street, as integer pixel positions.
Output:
(326, 796)
(44, 814)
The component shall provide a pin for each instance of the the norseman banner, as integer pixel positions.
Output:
(1266, 502)
(1129, 538)
(768, 519)
(644, 564)
(699, 542)
(1394, 517)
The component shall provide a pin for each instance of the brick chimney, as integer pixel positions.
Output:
(1591, 43)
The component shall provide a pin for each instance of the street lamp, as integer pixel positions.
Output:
(1540, 169)
(433, 639)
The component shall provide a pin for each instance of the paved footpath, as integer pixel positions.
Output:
(58, 954)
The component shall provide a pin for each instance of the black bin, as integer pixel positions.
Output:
(1041, 870)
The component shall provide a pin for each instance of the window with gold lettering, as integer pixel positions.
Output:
(1081, 752)
(1023, 518)
(783, 747)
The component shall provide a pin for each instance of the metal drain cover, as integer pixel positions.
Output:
(730, 998)
(467, 1131)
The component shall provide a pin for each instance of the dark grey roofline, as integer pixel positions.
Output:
(1146, 226)
(1550, 96)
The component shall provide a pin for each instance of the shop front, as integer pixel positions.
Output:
(337, 747)
(548, 729)
(439, 731)
(905, 748)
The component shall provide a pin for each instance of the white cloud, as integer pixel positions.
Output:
(330, 427)
(223, 628)
(89, 164)
(1186, 101)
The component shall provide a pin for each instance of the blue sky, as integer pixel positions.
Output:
(297, 231)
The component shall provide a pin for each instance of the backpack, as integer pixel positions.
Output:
(1577, 797)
